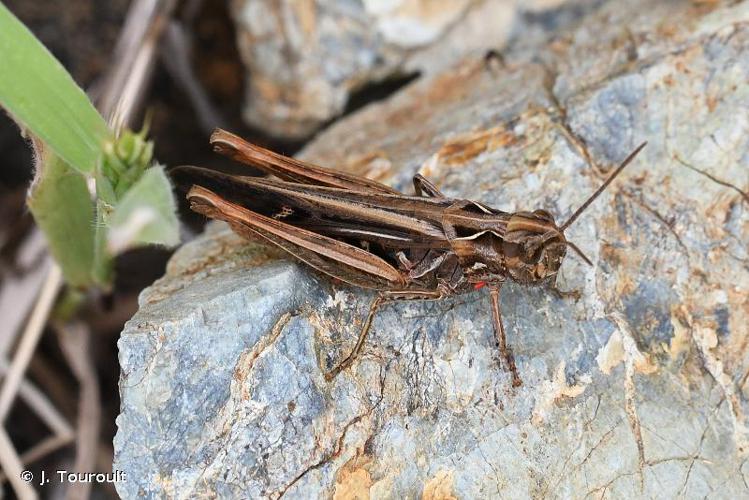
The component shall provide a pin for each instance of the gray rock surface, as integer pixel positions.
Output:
(639, 389)
(305, 58)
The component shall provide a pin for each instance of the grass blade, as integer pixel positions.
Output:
(42, 96)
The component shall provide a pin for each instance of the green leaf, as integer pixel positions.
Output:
(40, 94)
(145, 215)
(61, 205)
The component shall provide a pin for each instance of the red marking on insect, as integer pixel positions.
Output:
(479, 285)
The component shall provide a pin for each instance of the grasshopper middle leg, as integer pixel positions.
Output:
(499, 331)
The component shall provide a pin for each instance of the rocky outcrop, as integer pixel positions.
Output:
(638, 389)
(306, 59)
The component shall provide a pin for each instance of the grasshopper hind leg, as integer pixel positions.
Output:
(382, 299)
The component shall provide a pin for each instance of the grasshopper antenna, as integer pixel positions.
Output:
(579, 252)
(600, 190)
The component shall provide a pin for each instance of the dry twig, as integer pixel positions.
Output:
(176, 59)
(75, 339)
(18, 292)
(127, 82)
(29, 339)
(11, 464)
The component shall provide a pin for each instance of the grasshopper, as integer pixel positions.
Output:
(421, 247)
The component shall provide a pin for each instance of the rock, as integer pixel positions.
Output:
(636, 390)
(306, 58)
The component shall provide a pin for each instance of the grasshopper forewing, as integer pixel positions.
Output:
(421, 247)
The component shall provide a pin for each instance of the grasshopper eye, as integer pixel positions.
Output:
(534, 252)
(537, 254)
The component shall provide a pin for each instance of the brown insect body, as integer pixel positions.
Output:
(362, 232)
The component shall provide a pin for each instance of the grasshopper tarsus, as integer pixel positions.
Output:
(329, 376)
(369, 235)
(565, 294)
(510, 360)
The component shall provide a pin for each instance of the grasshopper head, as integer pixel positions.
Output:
(534, 247)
